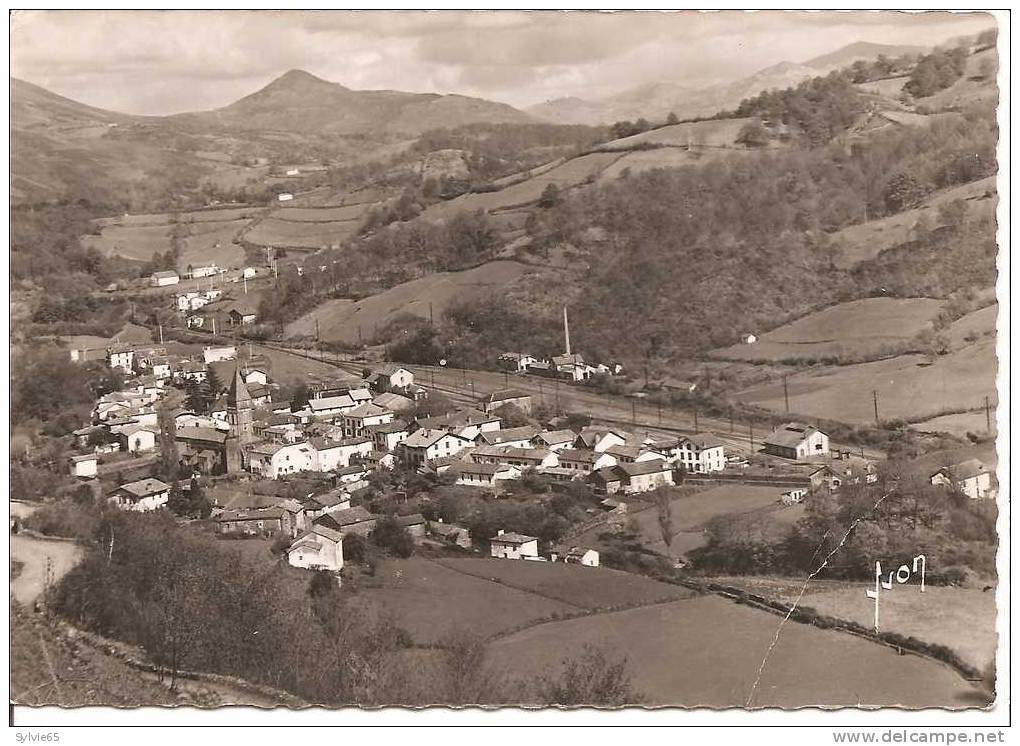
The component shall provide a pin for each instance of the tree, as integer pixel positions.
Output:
(753, 134)
(589, 681)
(664, 513)
(904, 191)
(672, 118)
(299, 399)
(391, 537)
(169, 457)
(550, 196)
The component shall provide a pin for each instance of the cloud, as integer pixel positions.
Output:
(157, 62)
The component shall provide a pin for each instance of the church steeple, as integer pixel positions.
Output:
(239, 406)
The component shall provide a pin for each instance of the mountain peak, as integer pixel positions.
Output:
(301, 80)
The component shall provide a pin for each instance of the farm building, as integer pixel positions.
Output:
(414, 524)
(450, 533)
(484, 475)
(207, 270)
(142, 496)
(390, 378)
(508, 545)
(970, 477)
(320, 548)
(164, 279)
(253, 522)
(606, 481)
(241, 315)
(505, 397)
(518, 362)
(797, 441)
(86, 466)
(138, 438)
(793, 497)
(284, 197)
(581, 556)
(216, 354)
(355, 520)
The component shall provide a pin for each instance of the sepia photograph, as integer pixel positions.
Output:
(513, 364)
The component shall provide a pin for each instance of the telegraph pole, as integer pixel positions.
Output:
(988, 416)
(874, 397)
(786, 393)
(750, 435)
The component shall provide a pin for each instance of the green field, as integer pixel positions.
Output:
(714, 133)
(339, 320)
(577, 586)
(204, 240)
(848, 331)
(978, 323)
(908, 387)
(865, 241)
(297, 234)
(574, 172)
(691, 513)
(959, 424)
(319, 214)
(433, 602)
(706, 651)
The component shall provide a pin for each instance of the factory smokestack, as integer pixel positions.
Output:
(566, 330)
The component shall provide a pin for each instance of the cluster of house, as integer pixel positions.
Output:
(570, 366)
(170, 277)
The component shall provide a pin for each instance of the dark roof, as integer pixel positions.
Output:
(638, 468)
(205, 434)
(790, 434)
(342, 518)
(508, 537)
(144, 487)
(705, 440)
(415, 519)
(506, 395)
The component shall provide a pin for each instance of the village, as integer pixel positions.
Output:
(349, 433)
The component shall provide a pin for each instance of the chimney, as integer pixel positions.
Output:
(566, 330)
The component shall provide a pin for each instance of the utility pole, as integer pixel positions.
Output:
(161, 342)
(750, 435)
(431, 320)
(317, 331)
(786, 393)
(988, 416)
(874, 397)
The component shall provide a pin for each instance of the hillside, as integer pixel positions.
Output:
(655, 101)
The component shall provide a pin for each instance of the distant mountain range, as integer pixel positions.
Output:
(655, 101)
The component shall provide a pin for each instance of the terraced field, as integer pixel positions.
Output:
(340, 320)
(848, 331)
(716, 133)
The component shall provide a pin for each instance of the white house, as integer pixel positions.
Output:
(121, 356)
(554, 440)
(138, 438)
(249, 272)
(319, 548)
(599, 439)
(328, 407)
(215, 354)
(284, 197)
(331, 455)
(519, 362)
(572, 366)
(390, 378)
(644, 476)
(508, 545)
(255, 376)
(797, 441)
(273, 460)
(425, 444)
(143, 495)
(701, 453)
(388, 435)
(467, 423)
(485, 475)
(793, 497)
(206, 270)
(357, 421)
(163, 279)
(970, 477)
(583, 461)
(86, 466)
(581, 556)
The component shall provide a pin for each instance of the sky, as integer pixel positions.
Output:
(163, 62)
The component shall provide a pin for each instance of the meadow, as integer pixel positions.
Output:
(714, 133)
(274, 231)
(204, 241)
(340, 320)
(909, 387)
(581, 587)
(433, 602)
(847, 331)
(669, 647)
